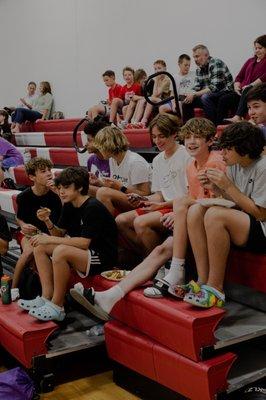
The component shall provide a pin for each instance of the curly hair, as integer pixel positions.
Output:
(37, 163)
(201, 127)
(77, 175)
(245, 138)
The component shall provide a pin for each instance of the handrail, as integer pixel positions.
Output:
(75, 132)
(164, 101)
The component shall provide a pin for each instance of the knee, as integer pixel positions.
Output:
(103, 193)
(41, 249)
(60, 252)
(140, 224)
(164, 249)
(195, 213)
(205, 98)
(122, 221)
(213, 216)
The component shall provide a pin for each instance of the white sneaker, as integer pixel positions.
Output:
(79, 288)
(160, 273)
(14, 294)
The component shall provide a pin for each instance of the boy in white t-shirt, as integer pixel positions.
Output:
(142, 226)
(129, 172)
(184, 82)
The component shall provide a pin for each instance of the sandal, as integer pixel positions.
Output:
(32, 304)
(159, 289)
(180, 291)
(86, 299)
(48, 312)
(207, 297)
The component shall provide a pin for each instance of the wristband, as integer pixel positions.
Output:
(123, 189)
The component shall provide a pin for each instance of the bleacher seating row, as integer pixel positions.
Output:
(161, 339)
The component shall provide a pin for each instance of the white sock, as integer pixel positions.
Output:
(176, 274)
(108, 298)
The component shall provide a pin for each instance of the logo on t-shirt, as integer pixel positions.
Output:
(120, 178)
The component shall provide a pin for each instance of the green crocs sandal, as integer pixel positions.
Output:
(180, 291)
(207, 297)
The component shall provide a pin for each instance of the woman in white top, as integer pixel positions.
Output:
(41, 108)
(129, 172)
(142, 227)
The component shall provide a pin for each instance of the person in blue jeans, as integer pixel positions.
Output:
(40, 109)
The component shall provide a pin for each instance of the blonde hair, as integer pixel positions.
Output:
(167, 124)
(111, 140)
(201, 127)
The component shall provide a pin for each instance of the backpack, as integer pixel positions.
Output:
(29, 284)
(58, 115)
(15, 384)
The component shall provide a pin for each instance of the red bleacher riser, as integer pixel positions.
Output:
(59, 155)
(138, 138)
(20, 177)
(52, 125)
(247, 269)
(199, 113)
(195, 380)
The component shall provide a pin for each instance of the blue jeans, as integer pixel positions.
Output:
(24, 114)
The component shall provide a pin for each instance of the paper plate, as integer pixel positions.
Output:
(115, 274)
(216, 202)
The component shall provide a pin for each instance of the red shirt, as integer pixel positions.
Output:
(251, 71)
(114, 91)
(128, 92)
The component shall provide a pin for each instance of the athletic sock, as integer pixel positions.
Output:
(176, 274)
(108, 298)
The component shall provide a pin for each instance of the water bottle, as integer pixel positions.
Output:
(96, 330)
(6, 289)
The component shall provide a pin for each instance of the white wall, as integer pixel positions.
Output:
(71, 42)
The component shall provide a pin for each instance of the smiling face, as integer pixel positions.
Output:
(128, 77)
(197, 146)
(231, 157)
(257, 111)
(259, 51)
(164, 143)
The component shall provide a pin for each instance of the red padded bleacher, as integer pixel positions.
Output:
(149, 358)
(138, 138)
(19, 176)
(52, 125)
(58, 155)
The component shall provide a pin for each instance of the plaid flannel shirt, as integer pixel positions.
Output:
(215, 75)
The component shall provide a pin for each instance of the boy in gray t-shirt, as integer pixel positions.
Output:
(244, 225)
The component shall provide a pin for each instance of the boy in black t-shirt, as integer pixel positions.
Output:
(5, 237)
(91, 244)
(32, 203)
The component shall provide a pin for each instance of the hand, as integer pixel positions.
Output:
(40, 239)
(149, 206)
(204, 180)
(219, 178)
(50, 184)
(237, 88)
(189, 98)
(136, 200)
(43, 214)
(112, 183)
(94, 180)
(167, 220)
(28, 229)
(23, 101)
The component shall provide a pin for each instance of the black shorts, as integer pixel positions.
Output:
(256, 242)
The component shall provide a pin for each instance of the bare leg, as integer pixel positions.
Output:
(130, 110)
(113, 199)
(96, 110)
(139, 110)
(198, 240)
(180, 230)
(223, 226)
(25, 257)
(126, 229)
(149, 230)
(42, 255)
(116, 103)
(64, 257)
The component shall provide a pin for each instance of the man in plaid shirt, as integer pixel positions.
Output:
(213, 80)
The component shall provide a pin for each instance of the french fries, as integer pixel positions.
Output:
(116, 274)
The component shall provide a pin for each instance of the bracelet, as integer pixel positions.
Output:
(52, 227)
